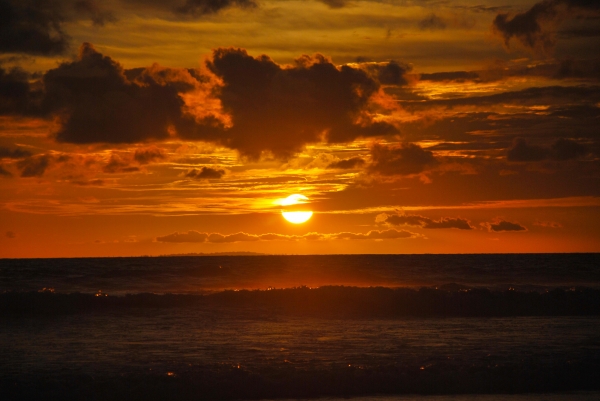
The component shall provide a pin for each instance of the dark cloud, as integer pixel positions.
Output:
(195, 236)
(98, 103)
(347, 163)
(390, 73)
(280, 109)
(503, 225)
(198, 8)
(205, 173)
(562, 149)
(34, 166)
(533, 27)
(432, 22)
(36, 26)
(118, 164)
(459, 76)
(4, 172)
(148, 155)
(18, 153)
(16, 94)
(424, 222)
(522, 151)
(405, 159)
(335, 3)
(11, 234)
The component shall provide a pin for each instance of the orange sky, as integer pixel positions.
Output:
(131, 127)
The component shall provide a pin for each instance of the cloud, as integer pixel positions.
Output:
(190, 236)
(18, 153)
(547, 224)
(4, 172)
(562, 149)
(432, 22)
(347, 163)
(148, 155)
(195, 236)
(98, 103)
(535, 27)
(37, 26)
(406, 159)
(503, 225)
(16, 94)
(280, 109)
(11, 234)
(458, 76)
(197, 8)
(335, 3)
(118, 164)
(390, 73)
(205, 173)
(34, 166)
(424, 222)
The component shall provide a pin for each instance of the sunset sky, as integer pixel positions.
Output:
(150, 127)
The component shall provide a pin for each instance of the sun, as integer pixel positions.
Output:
(294, 209)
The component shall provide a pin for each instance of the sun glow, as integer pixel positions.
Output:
(297, 217)
(294, 209)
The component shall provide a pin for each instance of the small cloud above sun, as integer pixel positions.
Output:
(294, 209)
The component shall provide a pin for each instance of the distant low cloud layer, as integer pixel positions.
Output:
(196, 236)
(424, 222)
(503, 225)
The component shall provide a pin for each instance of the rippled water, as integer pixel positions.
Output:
(301, 343)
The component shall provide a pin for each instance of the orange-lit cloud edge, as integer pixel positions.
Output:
(110, 153)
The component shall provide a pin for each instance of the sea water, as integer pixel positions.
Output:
(427, 327)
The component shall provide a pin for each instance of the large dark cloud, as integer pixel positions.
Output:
(562, 149)
(530, 27)
(37, 26)
(406, 159)
(422, 221)
(98, 103)
(280, 109)
(390, 73)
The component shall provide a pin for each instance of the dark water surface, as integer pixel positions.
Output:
(519, 326)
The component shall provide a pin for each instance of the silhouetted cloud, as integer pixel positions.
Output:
(100, 104)
(11, 234)
(459, 76)
(335, 3)
(531, 27)
(503, 225)
(408, 158)
(562, 149)
(432, 22)
(347, 163)
(16, 94)
(195, 236)
(118, 164)
(18, 153)
(279, 109)
(198, 8)
(4, 172)
(37, 26)
(424, 222)
(148, 155)
(205, 173)
(34, 166)
(390, 73)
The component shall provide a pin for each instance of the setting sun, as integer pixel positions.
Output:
(294, 209)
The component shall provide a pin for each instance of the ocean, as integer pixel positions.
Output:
(370, 327)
